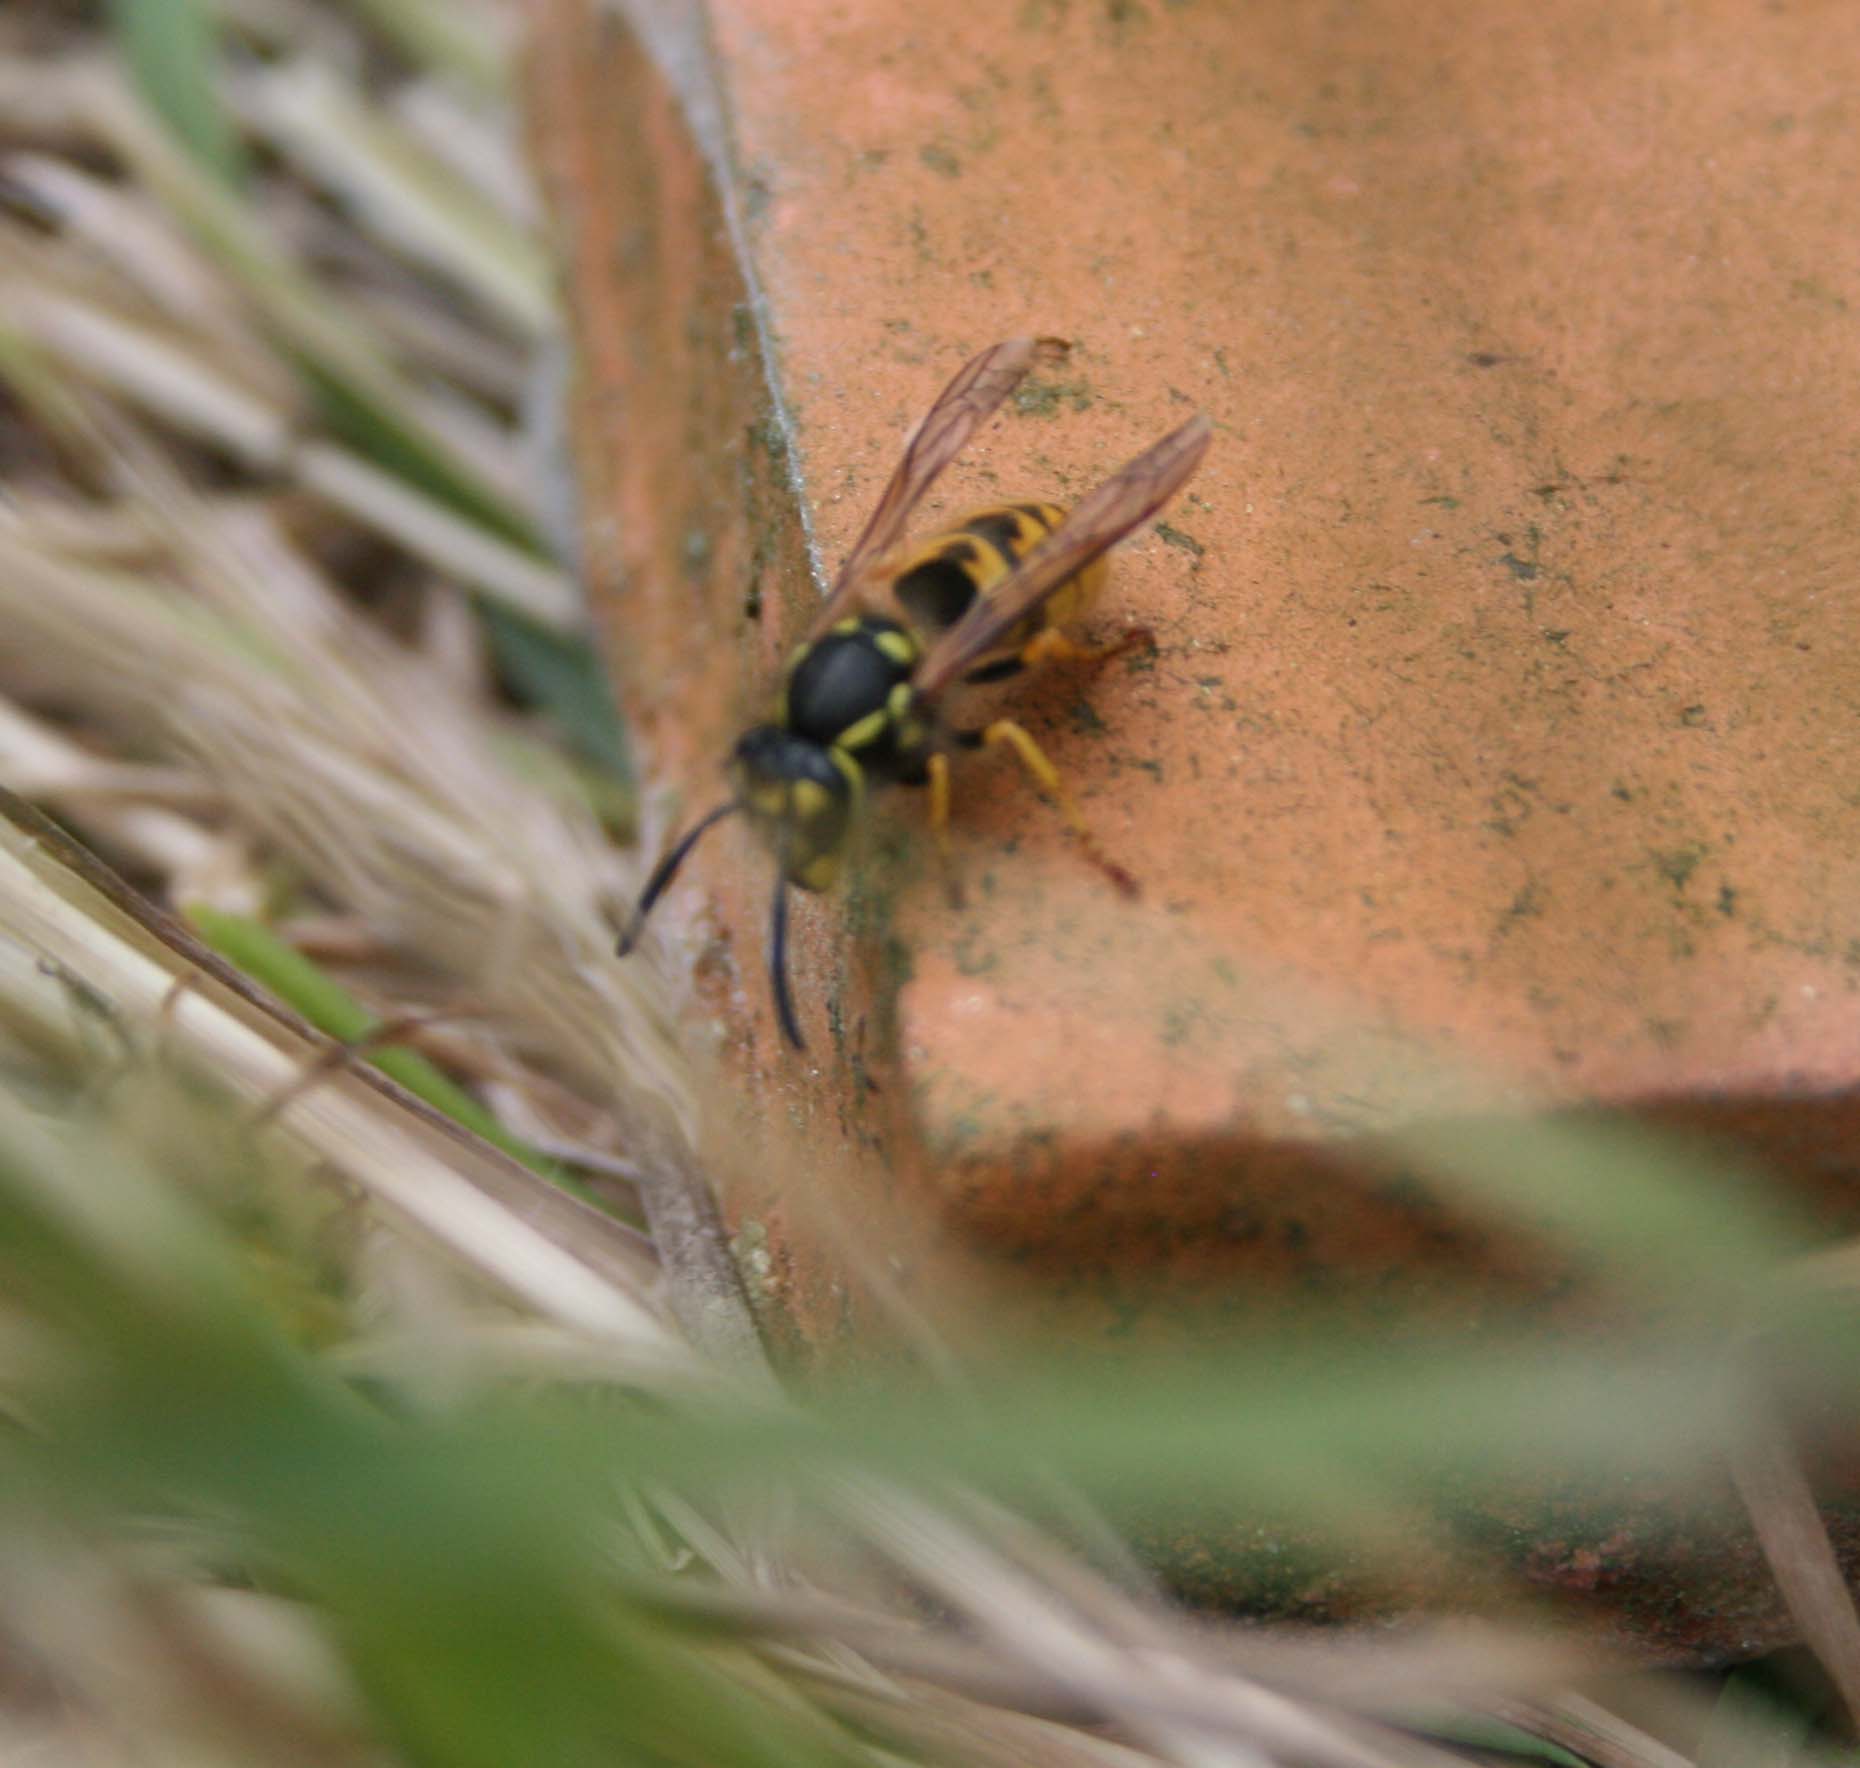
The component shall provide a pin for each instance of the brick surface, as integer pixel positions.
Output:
(1504, 719)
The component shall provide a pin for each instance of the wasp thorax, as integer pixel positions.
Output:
(800, 796)
(850, 689)
(839, 686)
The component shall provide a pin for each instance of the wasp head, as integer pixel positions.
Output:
(801, 795)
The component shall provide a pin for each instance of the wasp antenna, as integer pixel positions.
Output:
(666, 870)
(778, 963)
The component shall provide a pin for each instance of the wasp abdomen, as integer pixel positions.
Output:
(1014, 529)
(940, 580)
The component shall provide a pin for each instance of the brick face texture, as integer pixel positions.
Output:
(1503, 739)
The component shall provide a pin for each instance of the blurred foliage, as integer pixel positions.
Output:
(476, 1556)
(447, 1556)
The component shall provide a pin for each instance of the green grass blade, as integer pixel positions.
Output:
(449, 1560)
(563, 674)
(364, 398)
(171, 48)
(302, 986)
(440, 36)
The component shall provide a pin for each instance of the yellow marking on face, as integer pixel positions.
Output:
(810, 799)
(898, 646)
(769, 799)
(868, 730)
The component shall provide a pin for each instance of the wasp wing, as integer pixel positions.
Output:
(965, 404)
(1096, 525)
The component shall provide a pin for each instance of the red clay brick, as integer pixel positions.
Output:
(1504, 713)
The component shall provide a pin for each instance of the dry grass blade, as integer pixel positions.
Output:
(1591, 1731)
(120, 229)
(160, 995)
(311, 320)
(153, 373)
(473, 41)
(477, 873)
(399, 194)
(474, 144)
(207, 378)
(41, 102)
(1795, 1541)
(1176, 1704)
(433, 534)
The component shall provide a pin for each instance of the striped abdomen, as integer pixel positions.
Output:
(938, 580)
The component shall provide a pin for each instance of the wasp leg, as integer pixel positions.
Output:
(1050, 645)
(1033, 758)
(938, 768)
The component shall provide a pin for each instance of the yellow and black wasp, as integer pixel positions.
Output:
(858, 703)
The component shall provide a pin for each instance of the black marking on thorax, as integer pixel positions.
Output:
(940, 589)
(845, 677)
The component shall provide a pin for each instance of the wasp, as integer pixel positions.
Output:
(859, 701)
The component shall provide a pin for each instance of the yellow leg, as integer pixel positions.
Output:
(939, 824)
(1033, 758)
(939, 802)
(1050, 645)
